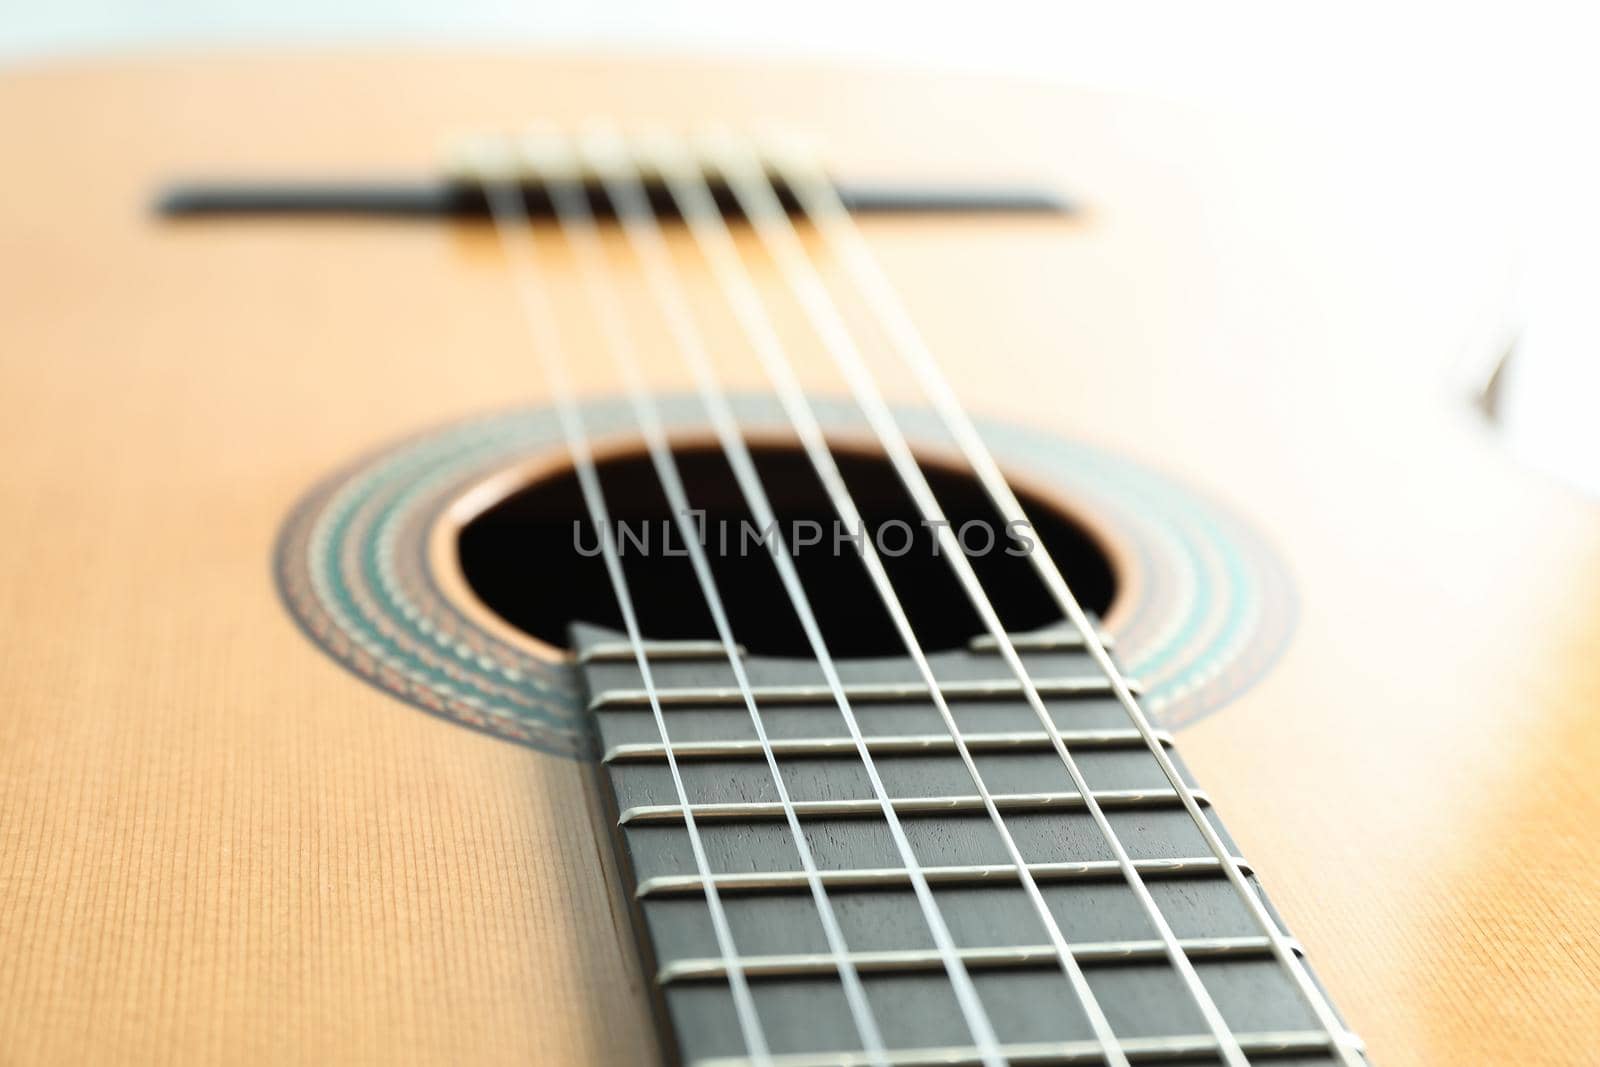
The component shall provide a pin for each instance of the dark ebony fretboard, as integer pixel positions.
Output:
(777, 935)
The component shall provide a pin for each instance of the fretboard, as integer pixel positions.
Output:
(776, 937)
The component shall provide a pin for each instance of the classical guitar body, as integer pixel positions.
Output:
(323, 738)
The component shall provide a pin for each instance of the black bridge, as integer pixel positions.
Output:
(447, 198)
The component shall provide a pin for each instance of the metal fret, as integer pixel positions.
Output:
(657, 652)
(974, 874)
(889, 744)
(989, 958)
(716, 696)
(760, 811)
(1039, 641)
(1265, 1043)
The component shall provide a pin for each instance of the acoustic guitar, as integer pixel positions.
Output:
(729, 581)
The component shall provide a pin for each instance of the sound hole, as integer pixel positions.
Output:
(533, 557)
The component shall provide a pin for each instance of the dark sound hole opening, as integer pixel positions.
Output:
(533, 558)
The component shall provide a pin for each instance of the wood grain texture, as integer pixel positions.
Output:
(216, 845)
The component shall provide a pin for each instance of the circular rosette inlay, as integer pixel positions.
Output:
(1203, 608)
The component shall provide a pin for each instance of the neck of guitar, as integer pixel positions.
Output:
(779, 945)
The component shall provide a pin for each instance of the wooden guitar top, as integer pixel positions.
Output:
(218, 846)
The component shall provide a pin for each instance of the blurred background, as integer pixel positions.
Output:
(1477, 120)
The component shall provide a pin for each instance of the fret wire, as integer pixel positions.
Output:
(1115, 799)
(712, 651)
(1040, 641)
(987, 958)
(820, 205)
(976, 874)
(887, 744)
(657, 652)
(510, 216)
(857, 693)
(699, 211)
(689, 191)
(1266, 1044)
(572, 209)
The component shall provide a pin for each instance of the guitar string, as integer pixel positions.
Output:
(1336, 1033)
(703, 218)
(575, 216)
(747, 179)
(821, 206)
(688, 337)
(510, 216)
